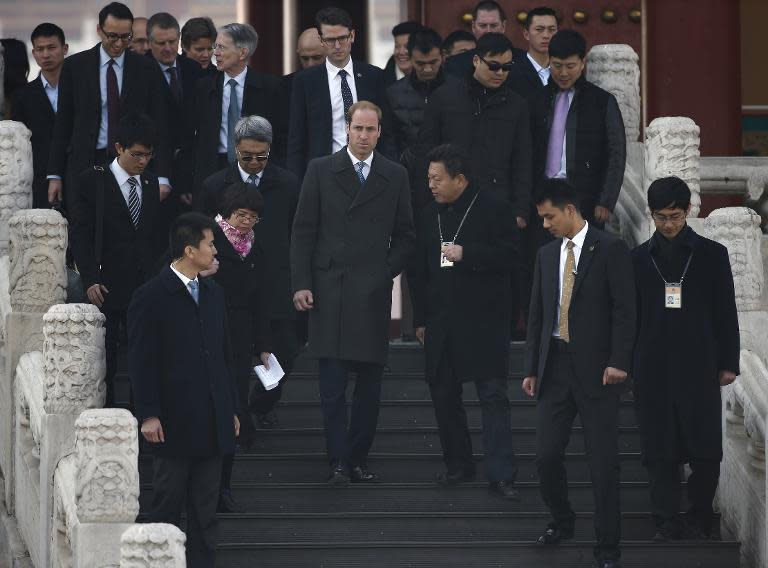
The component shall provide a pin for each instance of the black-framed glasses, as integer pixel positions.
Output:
(247, 158)
(332, 40)
(113, 37)
(674, 218)
(496, 66)
(141, 155)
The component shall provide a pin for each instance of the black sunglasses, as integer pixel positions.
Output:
(495, 66)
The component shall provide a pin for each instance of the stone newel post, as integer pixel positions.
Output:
(15, 174)
(153, 546)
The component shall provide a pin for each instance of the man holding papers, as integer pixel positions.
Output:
(466, 247)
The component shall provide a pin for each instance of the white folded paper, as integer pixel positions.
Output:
(270, 378)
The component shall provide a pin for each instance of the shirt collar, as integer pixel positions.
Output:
(184, 279)
(368, 161)
(333, 70)
(104, 58)
(245, 175)
(240, 77)
(535, 64)
(46, 84)
(578, 239)
(165, 67)
(121, 176)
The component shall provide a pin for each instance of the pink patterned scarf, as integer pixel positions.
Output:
(241, 242)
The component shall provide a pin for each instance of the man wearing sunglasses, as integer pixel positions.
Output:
(97, 88)
(280, 191)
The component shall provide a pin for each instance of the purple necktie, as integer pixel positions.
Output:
(113, 108)
(557, 135)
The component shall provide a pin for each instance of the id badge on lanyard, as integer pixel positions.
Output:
(444, 262)
(673, 295)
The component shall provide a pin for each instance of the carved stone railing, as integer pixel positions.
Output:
(742, 492)
(153, 546)
(53, 388)
(16, 174)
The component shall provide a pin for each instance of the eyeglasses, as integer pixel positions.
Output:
(247, 158)
(341, 40)
(113, 37)
(245, 218)
(496, 66)
(141, 155)
(675, 218)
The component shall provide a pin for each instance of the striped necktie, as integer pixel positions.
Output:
(134, 203)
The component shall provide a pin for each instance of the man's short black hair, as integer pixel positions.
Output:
(454, 160)
(566, 43)
(333, 16)
(493, 43)
(195, 29)
(136, 128)
(162, 20)
(538, 11)
(48, 29)
(188, 230)
(453, 37)
(117, 10)
(489, 6)
(424, 41)
(669, 192)
(240, 196)
(408, 27)
(557, 191)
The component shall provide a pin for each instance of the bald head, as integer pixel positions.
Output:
(310, 48)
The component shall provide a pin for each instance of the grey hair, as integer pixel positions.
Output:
(254, 128)
(243, 36)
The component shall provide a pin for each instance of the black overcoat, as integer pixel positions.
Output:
(179, 362)
(348, 243)
(466, 309)
(679, 352)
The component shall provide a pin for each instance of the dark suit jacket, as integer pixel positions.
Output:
(523, 78)
(32, 107)
(179, 361)
(280, 190)
(349, 241)
(310, 129)
(79, 114)
(260, 97)
(107, 248)
(602, 313)
(466, 309)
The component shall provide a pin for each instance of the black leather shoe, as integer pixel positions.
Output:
(505, 489)
(608, 564)
(227, 503)
(553, 535)
(339, 474)
(450, 478)
(268, 420)
(361, 474)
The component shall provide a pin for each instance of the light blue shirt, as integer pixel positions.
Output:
(101, 141)
(167, 76)
(51, 91)
(239, 89)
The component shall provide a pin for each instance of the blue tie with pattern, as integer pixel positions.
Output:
(194, 290)
(359, 169)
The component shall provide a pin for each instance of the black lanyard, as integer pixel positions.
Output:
(685, 270)
(461, 224)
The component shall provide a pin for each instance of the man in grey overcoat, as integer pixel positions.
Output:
(352, 234)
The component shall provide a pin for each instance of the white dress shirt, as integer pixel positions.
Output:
(563, 173)
(338, 121)
(245, 175)
(167, 76)
(578, 244)
(239, 89)
(51, 91)
(368, 161)
(185, 280)
(542, 72)
(121, 176)
(119, 66)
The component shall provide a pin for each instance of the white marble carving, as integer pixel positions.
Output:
(672, 149)
(74, 356)
(15, 174)
(738, 228)
(155, 545)
(613, 67)
(38, 243)
(107, 464)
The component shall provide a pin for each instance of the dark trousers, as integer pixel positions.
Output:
(350, 445)
(561, 398)
(667, 494)
(286, 348)
(451, 418)
(112, 329)
(194, 481)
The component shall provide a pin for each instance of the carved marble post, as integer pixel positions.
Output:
(15, 174)
(672, 149)
(614, 68)
(37, 280)
(154, 545)
(2, 82)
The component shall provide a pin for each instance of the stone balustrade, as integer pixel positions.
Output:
(15, 174)
(154, 545)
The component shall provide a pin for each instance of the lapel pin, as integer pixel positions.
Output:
(359, 74)
(591, 248)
